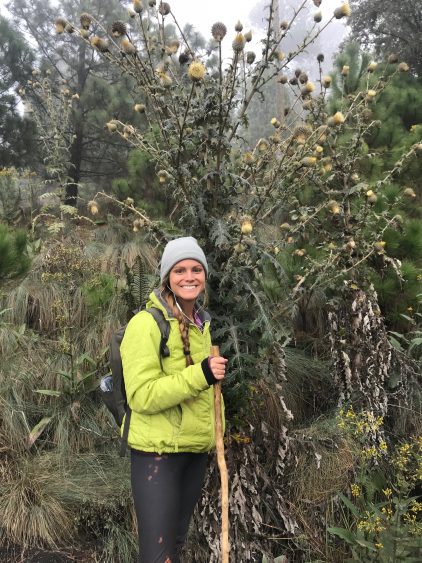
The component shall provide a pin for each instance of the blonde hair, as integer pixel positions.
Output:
(170, 299)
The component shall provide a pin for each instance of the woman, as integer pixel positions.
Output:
(172, 424)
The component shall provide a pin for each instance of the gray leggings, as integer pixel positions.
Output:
(165, 491)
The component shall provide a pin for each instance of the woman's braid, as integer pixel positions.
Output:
(183, 322)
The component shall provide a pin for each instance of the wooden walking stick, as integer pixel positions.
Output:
(221, 460)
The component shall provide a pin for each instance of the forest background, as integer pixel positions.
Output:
(295, 160)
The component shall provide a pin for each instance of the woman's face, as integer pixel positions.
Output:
(187, 280)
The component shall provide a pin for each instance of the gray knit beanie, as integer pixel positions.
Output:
(182, 248)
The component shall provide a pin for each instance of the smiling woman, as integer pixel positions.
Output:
(172, 402)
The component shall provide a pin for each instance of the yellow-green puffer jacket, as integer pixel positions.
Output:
(173, 409)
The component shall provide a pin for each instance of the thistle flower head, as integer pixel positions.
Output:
(250, 57)
(393, 58)
(262, 145)
(280, 55)
(238, 27)
(60, 25)
(136, 226)
(172, 47)
(139, 108)
(326, 81)
(371, 93)
(309, 161)
(152, 3)
(118, 28)
(320, 57)
(84, 33)
(342, 11)
(403, 67)
(284, 25)
(128, 47)
(165, 80)
(275, 122)
(92, 207)
(164, 8)
(196, 71)
(99, 44)
(248, 158)
(317, 3)
(218, 31)
(137, 6)
(163, 176)
(85, 20)
(238, 43)
(246, 226)
(318, 16)
(131, 13)
(283, 79)
(409, 192)
(345, 70)
(336, 119)
(302, 132)
(284, 227)
(334, 207)
(372, 66)
(309, 87)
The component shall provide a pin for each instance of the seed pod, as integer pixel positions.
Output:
(317, 3)
(84, 33)
(183, 58)
(250, 57)
(118, 28)
(248, 36)
(293, 81)
(164, 8)
(238, 27)
(318, 16)
(284, 25)
(320, 58)
(85, 20)
(60, 25)
(393, 58)
(284, 227)
(303, 78)
(137, 6)
(282, 79)
(218, 31)
(172, 47)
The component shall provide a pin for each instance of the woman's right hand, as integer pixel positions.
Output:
(218, 366)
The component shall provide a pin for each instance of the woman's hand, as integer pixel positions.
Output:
(218, 366)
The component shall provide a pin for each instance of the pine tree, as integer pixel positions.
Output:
(17, 146)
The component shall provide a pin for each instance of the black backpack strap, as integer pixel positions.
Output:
(125, 433)
(164, 327)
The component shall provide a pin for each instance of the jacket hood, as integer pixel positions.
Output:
(156, 300)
